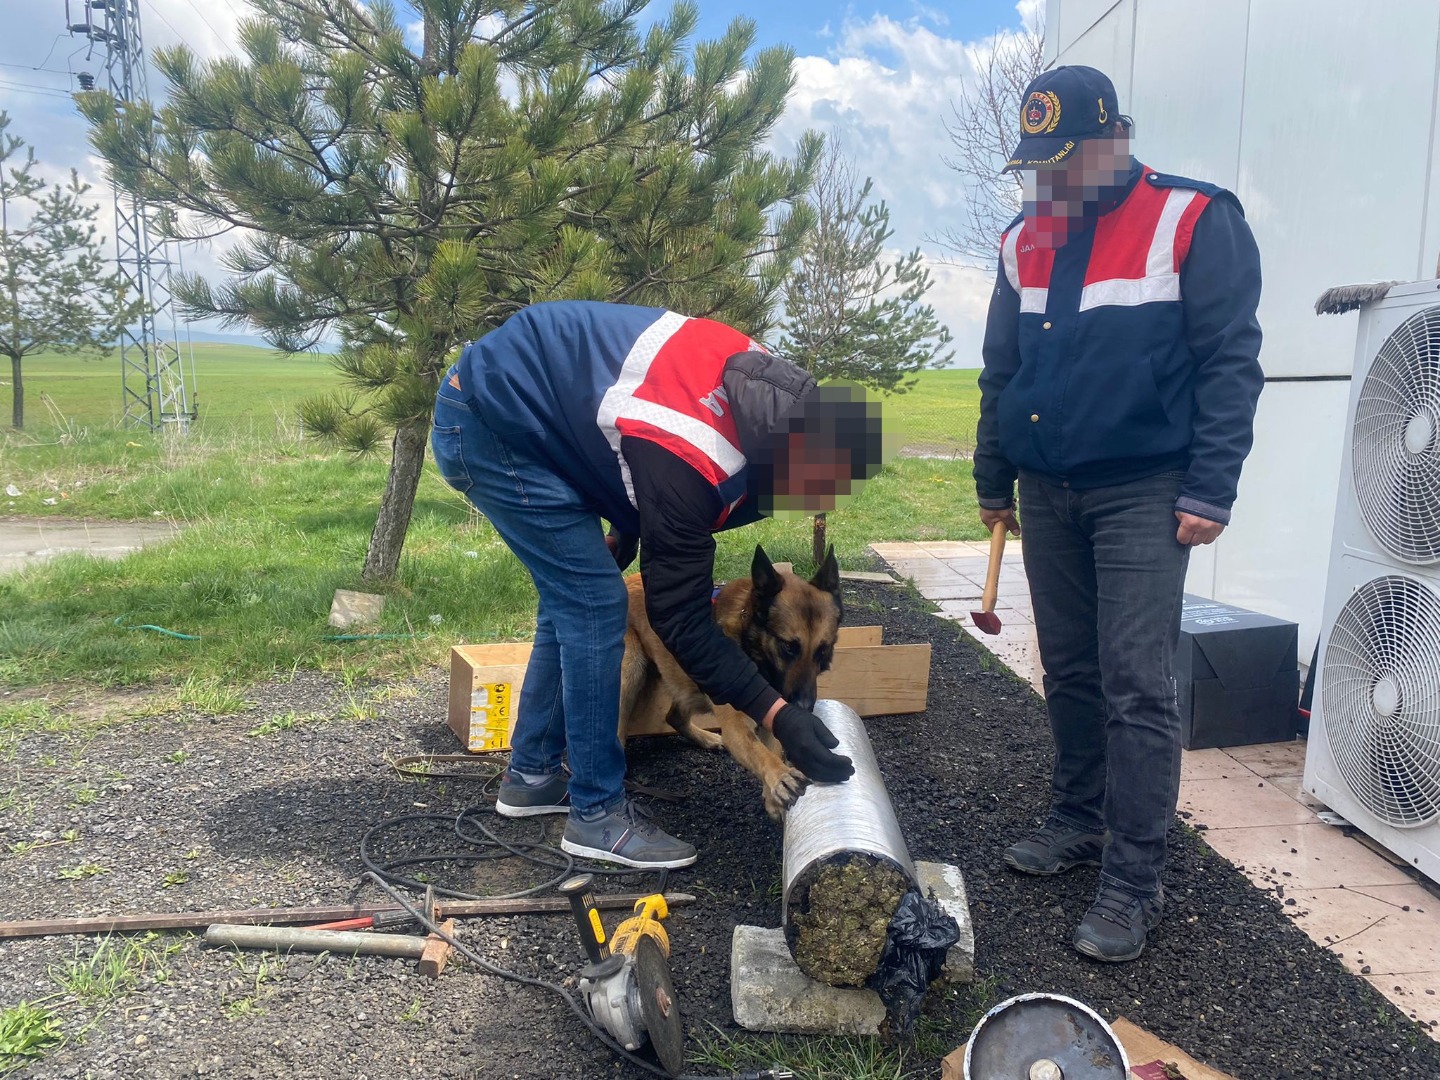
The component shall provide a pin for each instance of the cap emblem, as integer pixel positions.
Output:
(1041, 114)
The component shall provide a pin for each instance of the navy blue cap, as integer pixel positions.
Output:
(1061, 109)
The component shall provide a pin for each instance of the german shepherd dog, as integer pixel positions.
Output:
(787, 625)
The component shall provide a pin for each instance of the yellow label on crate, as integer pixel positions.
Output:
(490, 716)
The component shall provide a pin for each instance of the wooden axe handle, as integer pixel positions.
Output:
(992, 572)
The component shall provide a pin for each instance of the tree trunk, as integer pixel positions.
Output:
(817, 549)
(407, 458)
(17, 390)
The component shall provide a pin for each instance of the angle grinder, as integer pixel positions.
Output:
(626, 984)
(1044, 1037)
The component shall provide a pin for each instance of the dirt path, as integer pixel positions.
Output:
(185, 813)
(24, 541)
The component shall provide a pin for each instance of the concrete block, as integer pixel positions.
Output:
(946, 885)
(355, 609)
(769, 992)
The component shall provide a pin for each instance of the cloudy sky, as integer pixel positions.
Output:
(879, 74)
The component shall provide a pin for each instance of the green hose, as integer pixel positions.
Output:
(120, 622)
(158, 629)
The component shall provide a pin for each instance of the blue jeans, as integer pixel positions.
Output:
(1107, 580)
(570, 701)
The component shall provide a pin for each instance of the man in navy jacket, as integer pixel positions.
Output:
(671, 429)
(1120, 383)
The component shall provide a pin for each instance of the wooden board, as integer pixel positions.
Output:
(1149, 1055)
(851, 637)
(879, 680)
(872, 678)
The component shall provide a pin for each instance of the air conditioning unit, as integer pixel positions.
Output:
(1374, 749)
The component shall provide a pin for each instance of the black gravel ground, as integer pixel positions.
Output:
(234, 820)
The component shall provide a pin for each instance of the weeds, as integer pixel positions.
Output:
(114, 968)
(357, 709)
(210, 696)
(83, 871)
(178, 757)
(26, 1032)
(173, 879)
(264, 972)
(818, 1058)
(283, 722)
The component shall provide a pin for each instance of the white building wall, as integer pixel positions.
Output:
(1321, 116)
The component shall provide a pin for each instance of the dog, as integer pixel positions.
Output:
(787, 625)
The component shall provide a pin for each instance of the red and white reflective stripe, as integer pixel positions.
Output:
(1162, 277)
(622, 411)
(1032, 299)
(1009, 259)
(632, 373)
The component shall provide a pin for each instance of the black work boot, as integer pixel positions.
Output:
(1054, 848)
(1114, 928)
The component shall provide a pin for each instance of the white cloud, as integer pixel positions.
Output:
(884, 90)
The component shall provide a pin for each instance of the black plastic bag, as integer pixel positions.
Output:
(921, 932)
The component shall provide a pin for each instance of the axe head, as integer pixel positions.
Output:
(987, 621)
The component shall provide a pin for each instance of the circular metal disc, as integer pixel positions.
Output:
(1020, 1033)
(658, 1006)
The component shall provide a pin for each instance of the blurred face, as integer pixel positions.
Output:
(811, 478)
(1059, 197)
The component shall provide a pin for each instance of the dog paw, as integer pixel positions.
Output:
(706, 740)
(781, 792)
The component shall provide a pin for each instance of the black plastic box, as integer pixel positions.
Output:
(1237, 675)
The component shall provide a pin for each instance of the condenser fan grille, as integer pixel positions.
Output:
(1380, 688)
(1396, 441)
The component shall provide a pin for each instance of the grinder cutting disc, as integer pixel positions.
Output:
(1044, 1037)
(658, 1005)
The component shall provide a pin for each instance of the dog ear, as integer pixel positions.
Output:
(764, 576)
(827, 578)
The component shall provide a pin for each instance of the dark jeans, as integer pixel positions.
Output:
(1107, 578)
(570, 701)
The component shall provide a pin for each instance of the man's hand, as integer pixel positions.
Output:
(622, 548)
(808, 742)
(988, 518)
(1194, 530)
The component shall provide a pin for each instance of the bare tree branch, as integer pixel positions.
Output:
(982, 135)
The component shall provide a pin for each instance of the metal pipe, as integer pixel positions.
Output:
(195, 920)
(829, 820)
(289, 938)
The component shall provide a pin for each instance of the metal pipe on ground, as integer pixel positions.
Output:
(846, 865)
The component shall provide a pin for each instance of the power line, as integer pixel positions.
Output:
(31, 67)
(161, 16)
(32, 88)
(206, 21)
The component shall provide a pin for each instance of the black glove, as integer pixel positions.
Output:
(623, 548)
(808, 742)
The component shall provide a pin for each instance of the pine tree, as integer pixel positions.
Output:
(408, 188)
(852, 310)
(57, 288)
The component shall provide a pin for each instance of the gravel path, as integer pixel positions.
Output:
(188, 813)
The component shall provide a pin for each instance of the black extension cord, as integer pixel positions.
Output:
(488, 846)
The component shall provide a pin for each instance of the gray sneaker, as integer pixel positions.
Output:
(625, 835)
(1054, 848)
(519, 798)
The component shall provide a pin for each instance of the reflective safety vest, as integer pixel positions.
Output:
(1105, 388)
(1138, 250)
(571, 378)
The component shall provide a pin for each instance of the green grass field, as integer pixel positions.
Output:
(939, 414)
(237, 386)
(274, 522)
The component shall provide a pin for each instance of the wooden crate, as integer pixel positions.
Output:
(871, 677)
